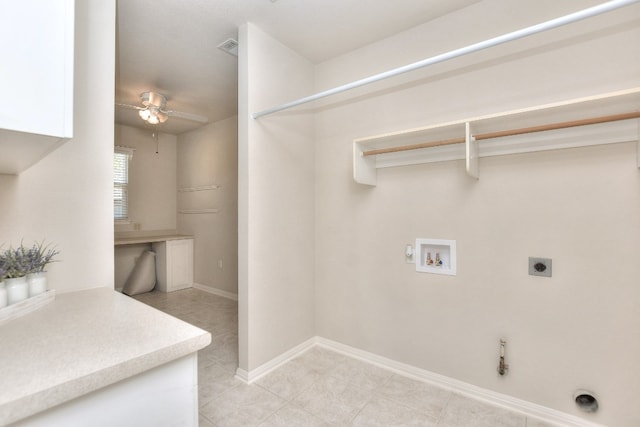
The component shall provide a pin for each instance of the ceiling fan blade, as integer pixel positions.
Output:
(187, 116)
(130, 107)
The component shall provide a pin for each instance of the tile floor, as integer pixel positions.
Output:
(318, 388)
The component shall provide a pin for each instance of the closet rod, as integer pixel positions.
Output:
(514, 35)
(510, 132)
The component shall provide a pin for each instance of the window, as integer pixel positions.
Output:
(121, 157)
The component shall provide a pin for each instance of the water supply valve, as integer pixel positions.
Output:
(502, 366)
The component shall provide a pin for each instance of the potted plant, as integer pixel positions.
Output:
(15, 263)
(3, 290)
(39, 256)
(23, 270)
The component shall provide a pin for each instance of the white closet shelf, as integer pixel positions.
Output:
(198, 211)
(199, 188)
(455, 140)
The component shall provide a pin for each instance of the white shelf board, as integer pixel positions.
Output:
(587, 107)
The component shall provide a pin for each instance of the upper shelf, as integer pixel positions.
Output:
(456, 140)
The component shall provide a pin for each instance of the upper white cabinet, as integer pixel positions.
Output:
(36, 80)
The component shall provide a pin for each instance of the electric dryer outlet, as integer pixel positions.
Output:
(540, 266)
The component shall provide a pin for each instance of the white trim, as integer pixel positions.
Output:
(490, 397)
(250, 376)
(215, 291)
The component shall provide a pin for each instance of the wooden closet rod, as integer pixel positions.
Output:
(510, 132)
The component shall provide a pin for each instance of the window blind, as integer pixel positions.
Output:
(121, 158)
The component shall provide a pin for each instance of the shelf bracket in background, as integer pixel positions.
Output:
(471, 152)
(638, 145)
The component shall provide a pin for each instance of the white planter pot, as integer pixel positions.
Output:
(37, 283)
(3, 295)
(17, 289)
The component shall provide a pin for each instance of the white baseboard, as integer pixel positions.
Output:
(488, 396)
(251, 376)
(215, 291)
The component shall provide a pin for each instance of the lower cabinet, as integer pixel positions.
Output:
(174, 264)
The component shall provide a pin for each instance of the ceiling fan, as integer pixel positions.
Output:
(155, 110)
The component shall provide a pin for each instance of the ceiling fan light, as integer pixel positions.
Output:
(153, 120)
(144, 114)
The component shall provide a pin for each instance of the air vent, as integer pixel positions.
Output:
(230, 46)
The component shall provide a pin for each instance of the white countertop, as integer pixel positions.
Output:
(151, 238)
(81, 342)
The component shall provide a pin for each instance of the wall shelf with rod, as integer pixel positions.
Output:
(198, 211)
(456, 53)
(601, 119)
(198, 188)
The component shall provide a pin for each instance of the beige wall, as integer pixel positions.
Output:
(275, 202)
(152, 192)
(67, 197)
(209, 156)
(580, 207)
(152, 178)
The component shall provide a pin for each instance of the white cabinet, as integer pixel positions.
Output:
(36, 80)
(174, 264)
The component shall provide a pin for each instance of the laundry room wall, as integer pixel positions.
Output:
(580, 207)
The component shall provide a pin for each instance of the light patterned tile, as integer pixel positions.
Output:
(321, 360)
(334, 400)
(532, 422)
(289, 380)
(324, 387)
(291, 416)
(463, 411)
(213, 380)
(242, 406)
(223, 348)
(361, 374)
(383, 413)
(204, 422)
(416, 394)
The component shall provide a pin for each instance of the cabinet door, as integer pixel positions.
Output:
(36, 76)
(180, 264)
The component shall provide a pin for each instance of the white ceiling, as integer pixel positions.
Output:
(170, 46)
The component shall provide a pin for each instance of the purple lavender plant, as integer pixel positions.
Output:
(21, 261)
(15, 262)
(39, 256)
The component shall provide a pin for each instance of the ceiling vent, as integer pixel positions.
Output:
(230, 46)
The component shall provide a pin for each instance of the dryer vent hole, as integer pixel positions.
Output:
(586, 401)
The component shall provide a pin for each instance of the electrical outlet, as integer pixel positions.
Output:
(220, 264)
(540, 267)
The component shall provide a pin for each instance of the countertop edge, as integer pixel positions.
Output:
(121, 241)
(46, 385)
(62, 393)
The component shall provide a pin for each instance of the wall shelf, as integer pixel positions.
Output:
(198, 211)
(198, 188)
(460, 139)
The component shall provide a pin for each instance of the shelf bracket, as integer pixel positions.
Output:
(638, 144)
(364, 168)
(471, 152)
